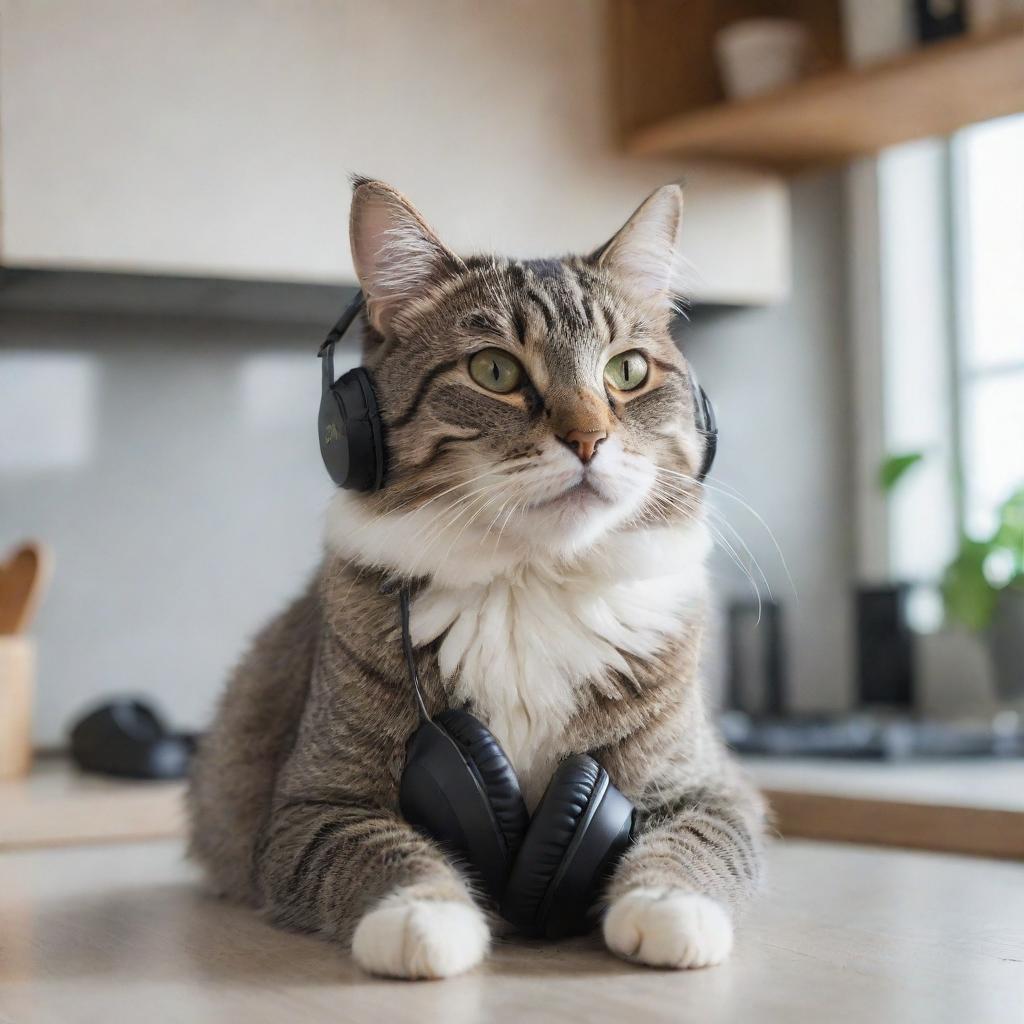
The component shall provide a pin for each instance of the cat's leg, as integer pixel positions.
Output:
(672, 899)
(362, 875)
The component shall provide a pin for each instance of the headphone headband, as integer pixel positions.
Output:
(337, 332)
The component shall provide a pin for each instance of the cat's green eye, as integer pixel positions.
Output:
(626, 371)
(496, 370)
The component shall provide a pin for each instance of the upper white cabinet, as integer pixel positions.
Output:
(217, 138)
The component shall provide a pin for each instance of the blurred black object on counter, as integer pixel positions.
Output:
(939, 19)
(885, 647)
(756, 682)
(127, 738)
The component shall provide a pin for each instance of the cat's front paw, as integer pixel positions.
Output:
(668, 928)
(416, 938)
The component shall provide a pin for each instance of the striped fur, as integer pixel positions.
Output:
(563, 602)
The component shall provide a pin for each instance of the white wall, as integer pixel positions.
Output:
(779, 379)
(172, 464)
(216, 137)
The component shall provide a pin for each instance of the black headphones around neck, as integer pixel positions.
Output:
(544, 872)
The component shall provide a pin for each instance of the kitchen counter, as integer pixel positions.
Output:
(843, 933)
(967, 806)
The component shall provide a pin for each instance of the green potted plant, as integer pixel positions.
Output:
(983, 588)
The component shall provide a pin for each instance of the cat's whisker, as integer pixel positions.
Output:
(440, 530)
(659, 507)
(729, 549)
(746, 549)
(479, 501)
(730, 492)
(469, 522)
(494, 521)
(715, 513)
(454, 504)
(431, 530)
(450, 474)
(654, 510)
(395, 509)
(454, 487)
(515, 506)
(479, 497)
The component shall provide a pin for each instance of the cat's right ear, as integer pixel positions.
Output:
(396, 254)
(644, 252)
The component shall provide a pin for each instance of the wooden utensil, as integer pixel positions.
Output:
(23, 579)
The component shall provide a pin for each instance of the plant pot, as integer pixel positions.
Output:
(1005, 640)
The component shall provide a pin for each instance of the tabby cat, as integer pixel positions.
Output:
(542, 495)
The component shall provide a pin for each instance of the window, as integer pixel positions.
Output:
(988, 206)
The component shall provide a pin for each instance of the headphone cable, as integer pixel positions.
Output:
(410, 659)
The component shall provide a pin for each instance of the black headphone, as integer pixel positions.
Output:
(349, 424)
(544, 872)
(352, 435)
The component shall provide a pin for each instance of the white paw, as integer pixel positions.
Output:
(668, 928)
(404, 938)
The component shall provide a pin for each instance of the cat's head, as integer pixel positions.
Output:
(528, 405)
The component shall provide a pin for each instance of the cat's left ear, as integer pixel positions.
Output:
(644, 252)
(396, 254)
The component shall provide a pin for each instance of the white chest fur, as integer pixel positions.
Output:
(519, 646)
(523, 632)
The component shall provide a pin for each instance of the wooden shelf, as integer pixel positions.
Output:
(849, 113)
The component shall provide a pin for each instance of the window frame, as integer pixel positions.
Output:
(965, 374)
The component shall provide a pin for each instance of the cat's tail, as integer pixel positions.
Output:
(235, 770)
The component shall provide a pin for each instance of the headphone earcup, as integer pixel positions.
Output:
(500, 782)
(459, 789)
(580, 829)
(333, 437)
(351, 434)
(707, 427)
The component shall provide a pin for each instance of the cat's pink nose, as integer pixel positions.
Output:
(584, 443)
